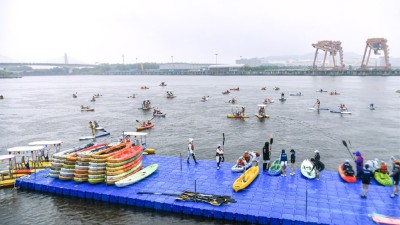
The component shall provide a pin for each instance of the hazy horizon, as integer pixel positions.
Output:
(189, 31)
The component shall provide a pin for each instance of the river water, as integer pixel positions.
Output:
(42, 108)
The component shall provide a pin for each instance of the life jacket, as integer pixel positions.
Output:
(383, 168)
(240, 162)
(246, 157)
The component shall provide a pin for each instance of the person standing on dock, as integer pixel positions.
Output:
(396, 178)
(292, 161)
(366, 179)
(191, 151)
(219, 156)
(359, 163)
(266, 156)
(283, 162)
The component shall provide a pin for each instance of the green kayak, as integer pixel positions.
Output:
(137, 176)
(275, 168)
(383, 179)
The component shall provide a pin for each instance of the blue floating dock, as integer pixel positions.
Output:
(268, 200)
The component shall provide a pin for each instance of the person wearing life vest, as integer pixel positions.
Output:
(383, 168)
(241, 161)
(284, 159)
(366, 179)
(266, 156)
(359, 163)
(246, 157)
(255, 157)
(396, 178)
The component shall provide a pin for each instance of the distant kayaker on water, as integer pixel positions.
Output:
(282, 95)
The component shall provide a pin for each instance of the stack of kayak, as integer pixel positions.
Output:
(97, 164)
(68, 167)
(60, 157)
(123, 164)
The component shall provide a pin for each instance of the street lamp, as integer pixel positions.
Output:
(216, 58)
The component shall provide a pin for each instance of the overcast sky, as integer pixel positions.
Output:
(189, 30)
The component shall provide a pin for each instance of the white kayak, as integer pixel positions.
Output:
(343, 112)
(137, 176)
(306, 169)
(319, 108)
(93, 137)
(237, 168)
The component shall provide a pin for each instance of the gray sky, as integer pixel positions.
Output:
(189, 30)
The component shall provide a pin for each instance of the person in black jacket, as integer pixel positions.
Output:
(366, 179)
(292, 161)
(266, 156)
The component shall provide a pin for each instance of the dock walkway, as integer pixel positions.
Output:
(268, 200)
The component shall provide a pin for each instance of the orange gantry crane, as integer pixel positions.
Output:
(331, 47)
(376, 44)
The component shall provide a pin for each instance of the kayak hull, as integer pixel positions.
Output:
(348, 179)
(246, 179)
(306, 169)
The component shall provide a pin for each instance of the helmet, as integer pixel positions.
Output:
(357, 153)
(316, 151)
(219, 146)
(347, 160)
(190, 140)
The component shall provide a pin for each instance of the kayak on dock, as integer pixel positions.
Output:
(147, 171)
(275, 169)
(347, 173)
(246, 178)
(307, 169)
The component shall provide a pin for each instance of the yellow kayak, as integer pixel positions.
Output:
(236, 117)
(245, 179)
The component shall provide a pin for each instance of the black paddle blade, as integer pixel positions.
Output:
(344, 143)
(223, 138)
(271, 140)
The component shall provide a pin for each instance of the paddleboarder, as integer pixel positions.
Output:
(318, 103)
(92, 127)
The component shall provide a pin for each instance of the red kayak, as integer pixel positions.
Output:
(127, 153)
(349, 179)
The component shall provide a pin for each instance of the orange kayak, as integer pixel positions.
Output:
(144, 127)
(126, 154)
(72, 157)
(105, 153)
(349, 179)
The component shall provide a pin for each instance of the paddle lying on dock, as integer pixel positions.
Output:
(215, 200)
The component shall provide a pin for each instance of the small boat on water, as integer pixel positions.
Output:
(144, 87)
(8, 177)
(276, 88)
(263, 88)
(75, 95)
(94, 137)
(145, 126)
(268, 101)
(170, 94)
(146, 105)
(226, 92)
(261, 112)
(87, 109)
(204, 98)
(238, 112)
(334, 93)
(297, 94)
(234, 89)
(163, 84)
(321, 90)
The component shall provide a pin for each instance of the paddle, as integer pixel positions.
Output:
(223, 143)
(345, 144)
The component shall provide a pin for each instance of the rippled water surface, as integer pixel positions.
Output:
(42, 108)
